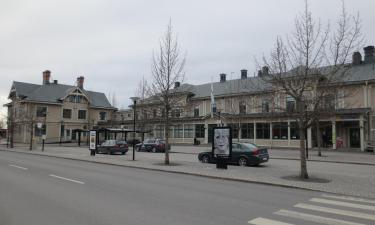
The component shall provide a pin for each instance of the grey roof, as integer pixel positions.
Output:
(53, 93)
(360, 73)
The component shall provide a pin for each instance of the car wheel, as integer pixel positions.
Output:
(153, 150)
(242, 161)
(205, 159)
(123, 153)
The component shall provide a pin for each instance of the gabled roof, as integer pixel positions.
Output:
(53, 93)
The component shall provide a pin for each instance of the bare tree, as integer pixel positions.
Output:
(309, 67)
(167, 68)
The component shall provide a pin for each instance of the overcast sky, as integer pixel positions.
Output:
(110, 42)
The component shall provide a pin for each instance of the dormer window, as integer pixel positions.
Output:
(75, 98)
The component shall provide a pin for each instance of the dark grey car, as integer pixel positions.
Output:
(113, 146)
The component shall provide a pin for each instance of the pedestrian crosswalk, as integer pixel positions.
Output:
(325, 209)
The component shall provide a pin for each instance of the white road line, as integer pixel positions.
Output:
(264, 221)
(313, 218)
(19, 167)
(336, 211)
(63, 178)
(346, 204)
(349, 198)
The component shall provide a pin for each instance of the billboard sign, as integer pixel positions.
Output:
(93, 139)
(222, 142)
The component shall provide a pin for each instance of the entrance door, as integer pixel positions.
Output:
(355, 141)
(210, 130)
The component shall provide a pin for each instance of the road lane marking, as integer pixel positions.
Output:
(348, 198)
(264, 221)
(19, 167)
(345, 204)
(336, 211)
(64, 178)
(314, 218)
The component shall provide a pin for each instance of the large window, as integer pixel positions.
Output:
(40, 131)
(75, 98)
(188, 131)
(235, 129)
(199, 130)
(290, 104)
(265, 106)
(102, 115)
(67, 113)
(280, 131)
(294, 131)
(242, 107)
(263, 130)
(178, 131)
(41, 111)
(159, 131)
(247, 130)
(196, 112)
(82, 114)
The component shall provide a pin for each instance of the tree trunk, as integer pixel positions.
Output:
(31, 136)
(318, 138)
(166, 159)
(303, 172)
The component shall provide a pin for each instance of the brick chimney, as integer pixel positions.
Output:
(80, 81)
(369, 54)
(223, 77)
(357, 58)
(243, 74)
(46, 76)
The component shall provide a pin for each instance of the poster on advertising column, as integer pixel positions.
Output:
(222, 142)
(93, 139)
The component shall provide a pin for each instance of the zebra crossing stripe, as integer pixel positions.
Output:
(348, 198)
(264, 221)
(346, 204)
(336, 211)
(314, 218)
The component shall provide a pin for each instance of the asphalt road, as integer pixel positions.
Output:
(43, 190)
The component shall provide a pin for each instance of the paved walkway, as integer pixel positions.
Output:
(348, 179)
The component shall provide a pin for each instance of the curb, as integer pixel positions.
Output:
(189, 173)
(311, 160)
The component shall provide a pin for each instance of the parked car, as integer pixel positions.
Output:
(152, 145)
(113, 146)
(133, 141)
(243, 154)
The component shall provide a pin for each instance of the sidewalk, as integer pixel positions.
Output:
(346, 179)
(365, 158)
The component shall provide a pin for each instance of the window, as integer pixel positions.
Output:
(247, 130)
(102, 115)
(178, 131)
(154, 113)
(75, 98)
(67, 113)
(188, 131)
(234, 127)
(159, 131)
(40, 131)
(82, 114)
(280, 131)
(340, 96)
(176, 113)
(199, 130)
(62, 129)
(242, 107)
(265, 106)
(196, 112)
(41, 111)
(67, 132)
(263, 130)
(294, 131)
(290, 104)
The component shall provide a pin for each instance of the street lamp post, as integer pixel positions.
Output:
(134, 99)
